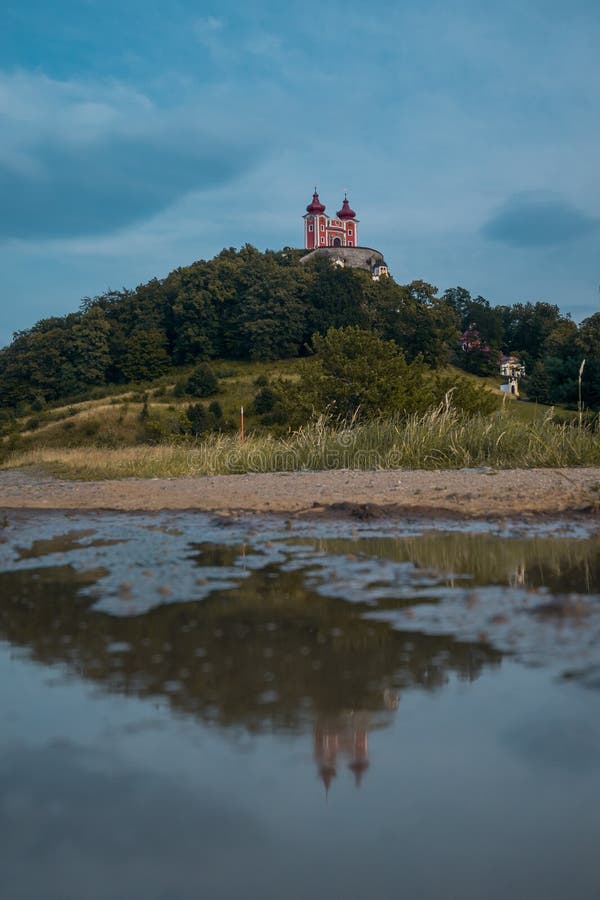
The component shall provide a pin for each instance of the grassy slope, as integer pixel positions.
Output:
(104, 437)
(114, 418)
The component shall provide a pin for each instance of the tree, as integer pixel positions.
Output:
(476, 313)
(527, 326)
(335, 298)
(145, 355)
(357, 374)
(202, 382)
(200, 420)
(89, 352)
(422, 324)
(475, 355)
(588, 338)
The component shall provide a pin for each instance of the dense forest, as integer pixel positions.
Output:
(244, 304)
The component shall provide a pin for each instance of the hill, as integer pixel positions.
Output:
(117, 372)
(247, 305)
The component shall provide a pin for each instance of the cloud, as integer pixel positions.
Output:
(100, 829)
(83, 159)
(538, 220)
(210, 23)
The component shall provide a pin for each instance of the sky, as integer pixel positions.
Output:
(136, 137)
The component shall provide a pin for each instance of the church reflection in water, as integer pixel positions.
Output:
(342, 740)
(267, 655)
(273, 653)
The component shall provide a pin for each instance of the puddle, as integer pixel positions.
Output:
(272, 694)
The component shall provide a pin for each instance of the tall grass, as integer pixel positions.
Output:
(441, 439)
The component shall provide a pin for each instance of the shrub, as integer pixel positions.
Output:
(265, 400)
(202, 420)
(199, 418)
(38, 403)
(202, 382)
(357, 376)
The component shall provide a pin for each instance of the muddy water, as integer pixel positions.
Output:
(195, 707)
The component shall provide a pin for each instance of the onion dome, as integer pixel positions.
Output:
(315, 207)
(345, 212)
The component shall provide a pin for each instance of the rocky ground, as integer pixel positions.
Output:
(465, 492)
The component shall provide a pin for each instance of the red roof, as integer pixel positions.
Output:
(345, 212)
(315, 206)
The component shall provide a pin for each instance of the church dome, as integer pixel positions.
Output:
(345, 212)
(315, 206)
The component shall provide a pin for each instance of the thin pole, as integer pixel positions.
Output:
(580, 403)
(243, 436)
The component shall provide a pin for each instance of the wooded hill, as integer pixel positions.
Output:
(244, 304)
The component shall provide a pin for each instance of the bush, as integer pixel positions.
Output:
(38, 403)
(357, 376)
(202, 382)
(162, 425)
(265, 400)
(203, 420)
(199, 418)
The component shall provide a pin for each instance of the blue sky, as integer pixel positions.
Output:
(137, 137)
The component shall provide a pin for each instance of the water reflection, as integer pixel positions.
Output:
(270, 654)
(344, 739)
(561, 564)
(248, 679)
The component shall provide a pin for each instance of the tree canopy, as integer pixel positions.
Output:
(244, 304)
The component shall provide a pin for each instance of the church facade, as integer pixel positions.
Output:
(337, 238)
(322, 231)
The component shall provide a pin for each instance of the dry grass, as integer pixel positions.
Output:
(440, 439)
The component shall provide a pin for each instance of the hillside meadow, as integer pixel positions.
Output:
(139, 433)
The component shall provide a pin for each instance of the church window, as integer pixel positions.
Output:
(310, 228)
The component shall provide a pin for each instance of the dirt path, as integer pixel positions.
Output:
(464, 492)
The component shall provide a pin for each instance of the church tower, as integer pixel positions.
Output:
(315, 223)
(321, 231)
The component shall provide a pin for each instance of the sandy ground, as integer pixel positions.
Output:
(465, 492)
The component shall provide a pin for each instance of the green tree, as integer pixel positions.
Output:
(357, 374)
(145, 355)
(89, 351)
(354, 373)
(335, 297)
(527, 327)
(421, 323)
(202, 382)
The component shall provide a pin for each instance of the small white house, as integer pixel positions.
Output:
(513, 370)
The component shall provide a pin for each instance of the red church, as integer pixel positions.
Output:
(321, 231)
